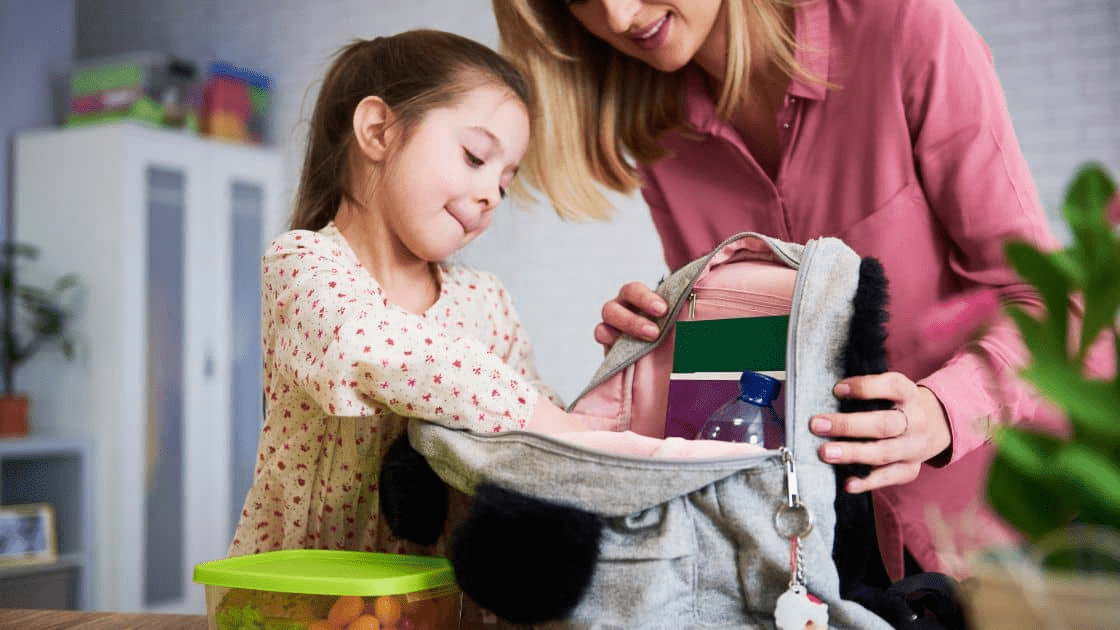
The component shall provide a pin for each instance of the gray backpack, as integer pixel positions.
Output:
(568, 537)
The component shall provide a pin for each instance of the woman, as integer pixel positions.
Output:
(881, 122)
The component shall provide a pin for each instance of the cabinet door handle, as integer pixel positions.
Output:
(208, 365)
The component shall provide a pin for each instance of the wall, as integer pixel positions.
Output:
(36, 42)
(1059, 60)
(573, 268)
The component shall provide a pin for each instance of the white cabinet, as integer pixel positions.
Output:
(166, 231)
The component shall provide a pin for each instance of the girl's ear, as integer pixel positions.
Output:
(372, 128)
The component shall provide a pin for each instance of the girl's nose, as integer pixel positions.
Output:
(489, 195)
(620, 14)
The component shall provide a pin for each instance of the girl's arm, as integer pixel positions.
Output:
(517, 351)
(336, 336)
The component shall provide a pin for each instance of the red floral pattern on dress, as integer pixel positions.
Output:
(344, 371)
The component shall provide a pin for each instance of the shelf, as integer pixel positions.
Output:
(53, 471)
(37, 446)
(65, 561)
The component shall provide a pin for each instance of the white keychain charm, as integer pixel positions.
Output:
(797, 610)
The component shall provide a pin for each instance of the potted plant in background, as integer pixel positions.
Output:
(1062, 492)
(33, 319)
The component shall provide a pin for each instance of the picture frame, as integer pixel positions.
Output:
(27, 534)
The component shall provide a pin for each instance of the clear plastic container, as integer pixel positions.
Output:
(330, 590)
(748, 416)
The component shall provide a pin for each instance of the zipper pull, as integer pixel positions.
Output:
(691, 304)
(793, 498)
(793, 519)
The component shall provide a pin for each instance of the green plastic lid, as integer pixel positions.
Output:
(326, 572)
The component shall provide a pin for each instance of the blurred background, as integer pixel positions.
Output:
(1059, 61)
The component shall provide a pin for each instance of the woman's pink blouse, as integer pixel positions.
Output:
(908, 155)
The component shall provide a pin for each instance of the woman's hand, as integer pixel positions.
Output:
(632, 313)
(894, 442)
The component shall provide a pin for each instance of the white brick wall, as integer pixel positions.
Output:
(1059, 62)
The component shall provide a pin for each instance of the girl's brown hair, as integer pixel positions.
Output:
(600, 110)
(413, 72)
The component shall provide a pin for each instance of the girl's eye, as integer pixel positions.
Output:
(473, 159)
(502, 191)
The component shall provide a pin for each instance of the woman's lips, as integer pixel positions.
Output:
(653, 35)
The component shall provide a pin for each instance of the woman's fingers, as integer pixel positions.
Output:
(890, 475)
(606, 335)
(621, 317)
(893, 442)
(862, 425)
(892, 386)
(630, 313)
(872, 452)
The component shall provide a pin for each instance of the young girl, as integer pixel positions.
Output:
(413, 141)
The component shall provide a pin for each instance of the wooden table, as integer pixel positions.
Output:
(19, 619)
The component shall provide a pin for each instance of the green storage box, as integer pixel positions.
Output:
(330, 590)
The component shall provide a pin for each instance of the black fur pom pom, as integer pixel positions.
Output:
(412, 497)
(855, 549)
(526, 560)
(865, 351)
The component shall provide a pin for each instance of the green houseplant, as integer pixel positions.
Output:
(1063, 492)
(34, 318)
(1038, 482)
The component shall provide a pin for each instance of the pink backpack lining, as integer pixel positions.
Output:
(739, 281)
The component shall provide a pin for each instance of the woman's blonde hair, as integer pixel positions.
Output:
(599, 110)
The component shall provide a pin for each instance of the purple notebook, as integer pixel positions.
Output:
(694, 396)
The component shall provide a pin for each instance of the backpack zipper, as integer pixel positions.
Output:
(675, 308)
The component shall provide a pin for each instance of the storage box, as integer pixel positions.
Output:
(330, 590)
(235, 104)
(150, 87)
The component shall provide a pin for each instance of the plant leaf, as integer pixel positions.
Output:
(1045, 348)
(1019, 485)
(12, 249)
(1091, 405)
(1071, 266)
(1102, 296)
(1086, 198)
(1049, 277)
(68, 281)
(1092, 481)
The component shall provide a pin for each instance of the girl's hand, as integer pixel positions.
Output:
(548, 418)
(630, 313)
(896, 441)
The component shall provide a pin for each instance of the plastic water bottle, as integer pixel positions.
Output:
(744, 418)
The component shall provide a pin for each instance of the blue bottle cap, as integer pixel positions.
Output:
(758, 389)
